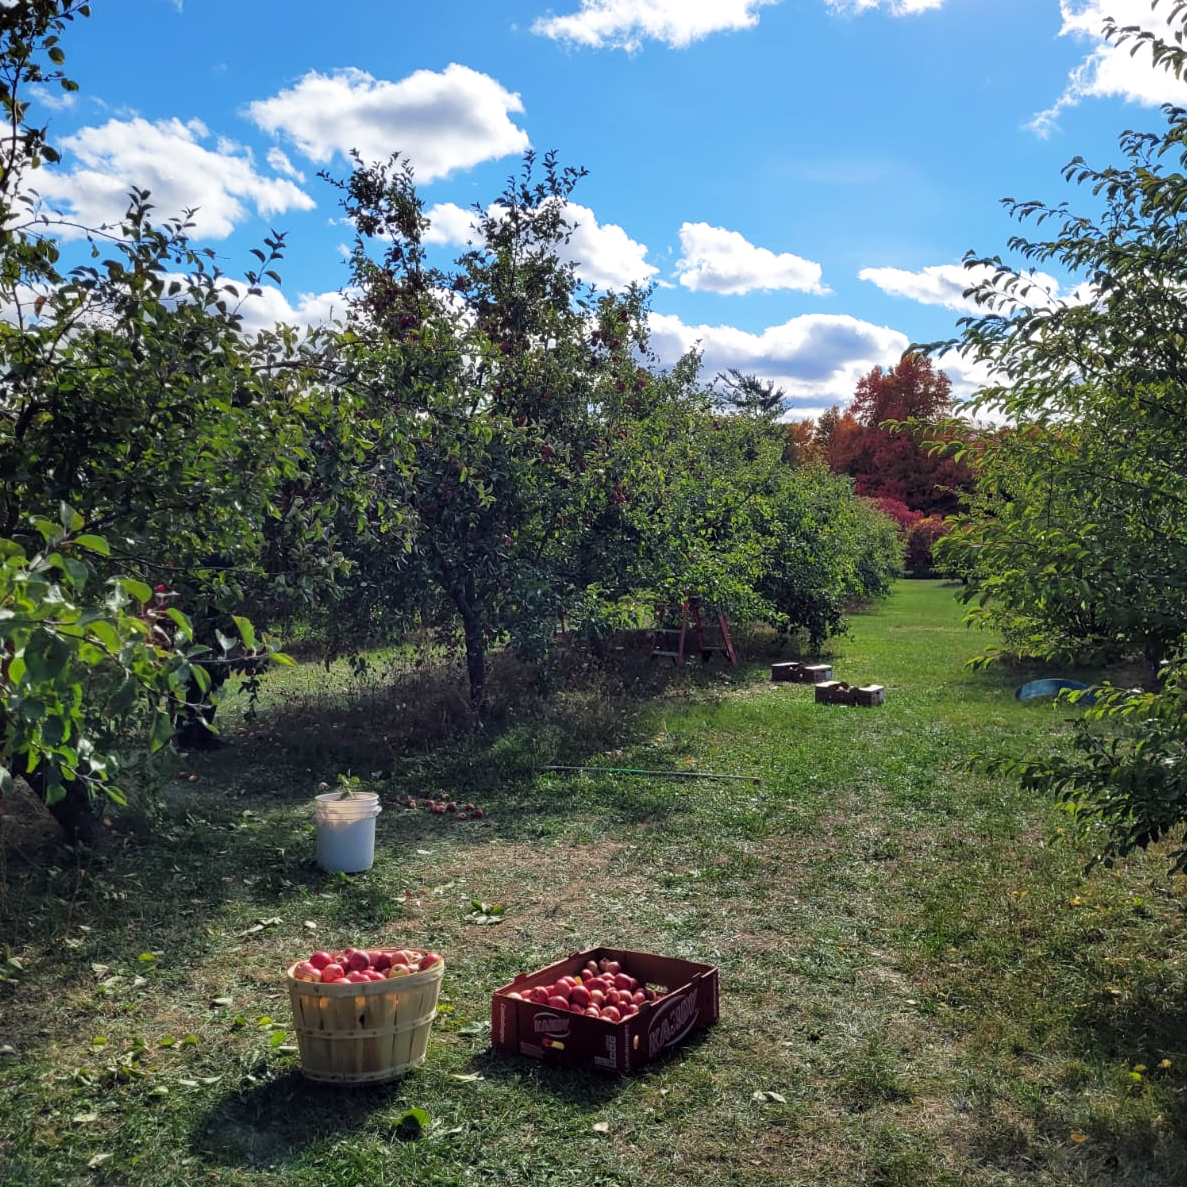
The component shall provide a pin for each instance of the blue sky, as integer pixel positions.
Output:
(799, 179)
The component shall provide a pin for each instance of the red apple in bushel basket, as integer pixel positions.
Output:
(306, 971)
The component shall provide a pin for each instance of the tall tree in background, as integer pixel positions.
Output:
(894, 461)
(750, 396)
(504, 387)
(838, 438)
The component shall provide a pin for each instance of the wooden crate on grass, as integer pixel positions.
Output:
(837, 692)
(800, 673)
(689, 1003)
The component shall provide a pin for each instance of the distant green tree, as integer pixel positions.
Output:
(751, 396)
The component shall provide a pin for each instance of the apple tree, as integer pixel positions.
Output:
(501, 389)
(206, 459)
(1076, 546)
(83, 666)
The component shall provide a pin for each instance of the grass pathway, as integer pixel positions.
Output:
(919, 987)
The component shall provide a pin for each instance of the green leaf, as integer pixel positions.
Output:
(93, 544)
(162, 731)
(102, 630)
(136, 589)
(183, 623)
(410, 1125)
(246, 631)
(76, 570)
(48, 529)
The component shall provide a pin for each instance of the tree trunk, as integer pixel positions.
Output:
(463, 599)
(75, 811)
(475, 663)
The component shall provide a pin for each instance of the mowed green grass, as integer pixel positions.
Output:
(920, 983)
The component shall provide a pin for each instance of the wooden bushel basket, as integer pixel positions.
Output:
(364, 1034)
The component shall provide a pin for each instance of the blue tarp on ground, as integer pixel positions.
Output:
(1052, 688)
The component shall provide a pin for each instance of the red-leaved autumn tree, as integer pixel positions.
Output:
(893, 461)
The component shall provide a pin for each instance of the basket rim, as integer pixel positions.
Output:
(412, 980)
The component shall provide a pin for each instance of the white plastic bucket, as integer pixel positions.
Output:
(346, 831)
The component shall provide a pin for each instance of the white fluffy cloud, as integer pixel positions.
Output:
(894, 7)
(281, 164)
(945, 285)
(54, 99)
(449, 224)
(441, 122)
(626, 24)
(270, 306)
(169, 160)
(1113, 70)
(967, 377)
(719, 261)
(605, 255)
(816, 358)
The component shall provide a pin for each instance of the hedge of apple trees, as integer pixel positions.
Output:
(490, 445)
(176, 455)
(1076, 545)
(543, 466)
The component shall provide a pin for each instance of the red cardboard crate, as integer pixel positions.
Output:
(576, 1040)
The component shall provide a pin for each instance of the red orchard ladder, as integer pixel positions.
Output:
(680, 629)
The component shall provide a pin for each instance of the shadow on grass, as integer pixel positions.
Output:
(277, 1122)
(233, 838)
(1057, 1140)
(1150, 1020)
(587, 1089)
